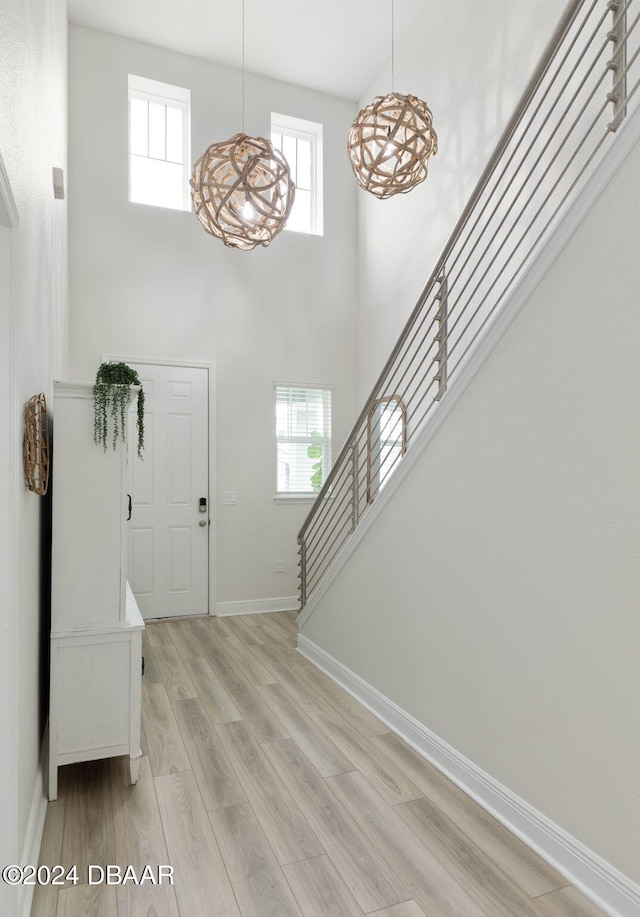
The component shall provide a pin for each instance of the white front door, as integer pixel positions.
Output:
(169, 529)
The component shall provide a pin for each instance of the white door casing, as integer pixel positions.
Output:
(169, 534)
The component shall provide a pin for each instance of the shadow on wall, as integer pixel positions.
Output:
(44, 563)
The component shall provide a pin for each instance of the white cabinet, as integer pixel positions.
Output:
(96, 627)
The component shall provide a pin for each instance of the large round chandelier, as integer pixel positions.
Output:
(242, 191)
(390, 143)
(391, 140)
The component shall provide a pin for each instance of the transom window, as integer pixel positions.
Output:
(300, 142)
(159, 144)
(303, 433)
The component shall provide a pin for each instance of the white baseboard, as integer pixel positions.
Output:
(258, 606)
(35, 828)
(606, 886)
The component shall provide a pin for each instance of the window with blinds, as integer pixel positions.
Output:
(303, 433)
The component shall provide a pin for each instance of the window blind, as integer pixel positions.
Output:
(303, 433)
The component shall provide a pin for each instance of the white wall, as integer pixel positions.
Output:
(7, 564)
(496, 597)
(32, 140)
(150, 282)
(470, 64)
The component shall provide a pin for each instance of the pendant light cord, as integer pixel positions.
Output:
(243, 80)
(393, 63)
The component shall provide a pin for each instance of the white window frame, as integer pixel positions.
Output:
(311, 131)
(305, 496)
(148, 90)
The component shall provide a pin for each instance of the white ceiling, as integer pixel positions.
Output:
(334, 46)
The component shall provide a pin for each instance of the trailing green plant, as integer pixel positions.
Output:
(111, 397)
(314, 451)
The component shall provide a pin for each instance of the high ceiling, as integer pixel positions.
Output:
(334, 46)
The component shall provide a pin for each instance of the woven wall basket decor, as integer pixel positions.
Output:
(36, 445)
(242, 191)
(390, 143)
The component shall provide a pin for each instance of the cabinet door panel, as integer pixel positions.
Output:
(94, 692)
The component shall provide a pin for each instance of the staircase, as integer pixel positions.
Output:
(582, 92)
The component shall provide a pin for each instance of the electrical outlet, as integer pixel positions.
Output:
(230, 498)
(279, 566)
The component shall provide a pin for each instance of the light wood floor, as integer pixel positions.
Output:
(272, 792)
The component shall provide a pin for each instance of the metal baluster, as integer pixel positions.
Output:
(355, 490)
(302, 576)
(618, 62)
(442, 337)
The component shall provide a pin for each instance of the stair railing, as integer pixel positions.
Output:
(576, 99)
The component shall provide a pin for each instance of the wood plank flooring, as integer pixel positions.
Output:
(272, 793)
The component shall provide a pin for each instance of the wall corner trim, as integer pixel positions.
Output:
(605, 885)
(35, 828)
(258, 606)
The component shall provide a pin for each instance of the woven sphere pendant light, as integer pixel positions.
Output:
(242, 191)
(390, 143)
(241, 188)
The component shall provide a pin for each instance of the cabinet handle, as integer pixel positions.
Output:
(130, 507)
(143, 665)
